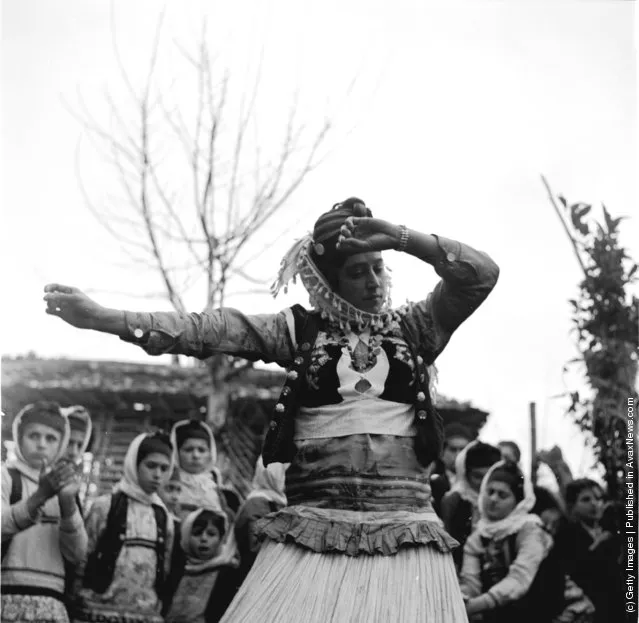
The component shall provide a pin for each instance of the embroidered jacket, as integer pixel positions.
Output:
(418, 334)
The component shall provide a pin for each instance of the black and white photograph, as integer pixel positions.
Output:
(319, 312)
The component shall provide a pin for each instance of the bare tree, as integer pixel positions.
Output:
(195, 182)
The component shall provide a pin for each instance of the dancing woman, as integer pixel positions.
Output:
(358, 539)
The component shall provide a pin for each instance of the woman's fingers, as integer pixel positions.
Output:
(346, 232)
(57, 287)
(60, 297)
(351, 244)
(56, 302)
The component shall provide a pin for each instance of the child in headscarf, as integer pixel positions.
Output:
(41, 524)
(202, 593)
(80, 432)
(130, 540)
(459, 506)
(196, 458)
(502, 577)
(196, 454)
(170, 492)
(267, 496)
(80, 428)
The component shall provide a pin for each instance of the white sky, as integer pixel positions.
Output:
(459, 106)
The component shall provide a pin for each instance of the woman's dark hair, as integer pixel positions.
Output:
(324, 252)
(481, 455)
(206, 516)
(455, 429)
(576, 487)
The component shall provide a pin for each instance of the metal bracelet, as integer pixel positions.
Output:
(403, 238)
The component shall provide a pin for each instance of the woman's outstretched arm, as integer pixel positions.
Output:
(76, 308)
(226, 330)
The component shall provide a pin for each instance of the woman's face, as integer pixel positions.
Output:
(195, 456)
(363, 281)
(500, 500)
(153, 471)
(452, 448)
(588, 506)
(39, 443)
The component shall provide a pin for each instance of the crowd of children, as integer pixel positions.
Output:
(159, 547)
(170, 543)
(527, 553)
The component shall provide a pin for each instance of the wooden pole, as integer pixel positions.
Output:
(533, 443)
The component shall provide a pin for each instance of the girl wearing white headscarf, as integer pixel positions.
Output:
(199, 488)
(130, 540)
(42, 527)
(203, 589)
(502, 557)
(81, 428)
(459, 510)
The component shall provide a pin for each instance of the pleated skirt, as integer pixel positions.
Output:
(292, 584)
(358, 542)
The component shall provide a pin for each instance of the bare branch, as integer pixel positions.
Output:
(245, 116)
(118, 117)
(183, 237)
(563, 222)
(92, 126)
(174, 296)
(231, 194)
(99, 215)
(261, 220)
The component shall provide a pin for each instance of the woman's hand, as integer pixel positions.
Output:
(362, 234)
(72, 305)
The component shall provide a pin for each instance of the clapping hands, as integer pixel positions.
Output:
(61, 477)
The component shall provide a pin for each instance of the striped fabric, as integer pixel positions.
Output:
(359, 473)
(359, 494)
